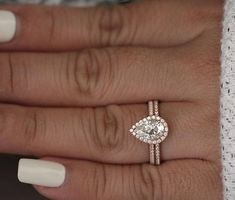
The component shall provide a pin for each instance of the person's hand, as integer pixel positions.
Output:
(74, 80)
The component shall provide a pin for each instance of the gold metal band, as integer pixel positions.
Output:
(154, 149)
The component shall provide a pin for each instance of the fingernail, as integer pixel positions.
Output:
(7, 26)
(41, 172)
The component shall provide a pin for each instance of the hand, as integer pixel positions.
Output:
(64, 96)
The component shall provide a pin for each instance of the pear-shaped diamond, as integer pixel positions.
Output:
(152, 130)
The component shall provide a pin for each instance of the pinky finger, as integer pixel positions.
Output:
(174, 180)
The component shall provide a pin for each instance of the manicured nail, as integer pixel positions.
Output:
(7, 26)
(41, 172)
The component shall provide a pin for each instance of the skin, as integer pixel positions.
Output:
(74, 80)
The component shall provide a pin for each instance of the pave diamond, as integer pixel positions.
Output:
(150, 130)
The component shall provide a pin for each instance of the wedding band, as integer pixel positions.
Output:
(152, 130)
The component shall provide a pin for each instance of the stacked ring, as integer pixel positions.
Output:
(151, 130)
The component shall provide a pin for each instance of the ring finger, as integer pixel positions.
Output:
(102, 134)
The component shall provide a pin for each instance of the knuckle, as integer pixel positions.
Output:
(5, 121)
(15, 79)
(33, 127)
(99, 184)
(7, 70)
(91, 72)
(114, 25)
(109, 129)
(11, 72)
(151, 182)
(30, 127)
(21, 121)
(54, 23)
(86, 72)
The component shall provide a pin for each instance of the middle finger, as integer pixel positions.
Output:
(101, 77)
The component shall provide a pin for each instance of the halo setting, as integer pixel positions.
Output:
(151, 130)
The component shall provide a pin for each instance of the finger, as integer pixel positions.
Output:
(64, 28)
(185, 179)
(102, 134)
(105, 76)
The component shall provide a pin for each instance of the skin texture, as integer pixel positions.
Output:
(74, 80)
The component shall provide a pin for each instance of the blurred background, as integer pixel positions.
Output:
(10, 188)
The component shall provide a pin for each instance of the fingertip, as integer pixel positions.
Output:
(8, 26)
(41, 172)
(60, 192)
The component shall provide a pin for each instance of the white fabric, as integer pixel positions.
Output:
(228, 100)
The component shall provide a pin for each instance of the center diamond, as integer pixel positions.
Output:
(151, 130)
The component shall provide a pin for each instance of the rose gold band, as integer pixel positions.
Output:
(154, 149)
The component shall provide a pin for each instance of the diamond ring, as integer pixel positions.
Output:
(151, 130)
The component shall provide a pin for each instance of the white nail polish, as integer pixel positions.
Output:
(7, 26)
(41, 172)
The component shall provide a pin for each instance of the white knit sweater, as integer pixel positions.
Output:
(228, 100)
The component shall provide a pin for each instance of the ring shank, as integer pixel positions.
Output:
(154, 149)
